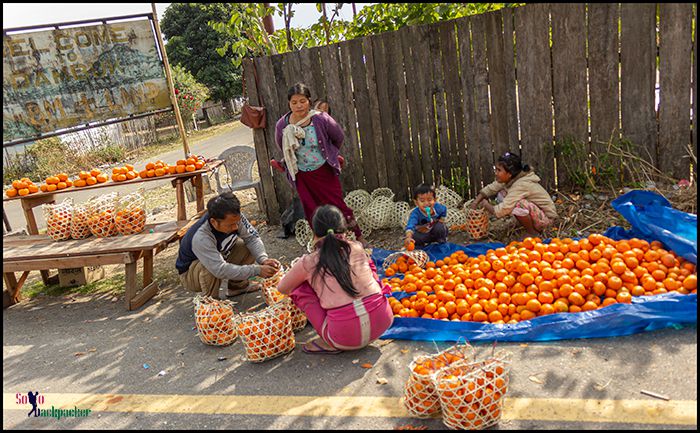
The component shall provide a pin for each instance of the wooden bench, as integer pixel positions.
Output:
(40, 252)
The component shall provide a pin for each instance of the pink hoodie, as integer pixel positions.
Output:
(329, 292)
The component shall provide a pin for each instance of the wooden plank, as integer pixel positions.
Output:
(351, 147)
(675, 51)
(498, 83)
(638, 54)
(397, 92)
(143, 296)
(147, 267)
(386, 106)
(509, 77)
(467, 84)
(481, 101)
(374, 111)
(415, 173)
(569, 89)
(437, 90)
(421, 79)
(269, 198)
(292, 69)
(130, 283)
(603, 62)
(364, 118)
(319, 82)
(331, 71)
(535, 89)
(277, 106)
(66, 263)
(453, 103)
(306, 70)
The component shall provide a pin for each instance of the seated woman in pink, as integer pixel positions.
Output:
(338, 289)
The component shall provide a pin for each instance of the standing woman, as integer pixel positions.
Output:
(310, 141)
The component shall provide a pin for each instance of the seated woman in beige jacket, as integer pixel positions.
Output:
(520, 193)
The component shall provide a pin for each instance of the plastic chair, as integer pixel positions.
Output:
(239, 161)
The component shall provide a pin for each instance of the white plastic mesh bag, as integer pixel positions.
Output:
(267, 333)
(58, 219)
(214, 320)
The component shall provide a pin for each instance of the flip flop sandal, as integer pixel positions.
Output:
(320, 349)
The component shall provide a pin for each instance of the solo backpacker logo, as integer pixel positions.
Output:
(35, 400)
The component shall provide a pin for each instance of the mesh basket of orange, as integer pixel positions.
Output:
(477, 222)
(272, 296)
(58, 219)
(419, 397)
(405, 260)
(528, 279)
(79, 228)
(267, 333)
(215, 321)
(471, 394)
(130, 216)
(101, 215)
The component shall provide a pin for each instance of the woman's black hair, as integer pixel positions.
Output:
(299, 89)
(334, 254)
(512, 163)
(222, 205)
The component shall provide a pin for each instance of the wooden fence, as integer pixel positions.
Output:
(440, 102)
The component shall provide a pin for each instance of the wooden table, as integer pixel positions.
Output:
(39, 252)
(29, 202)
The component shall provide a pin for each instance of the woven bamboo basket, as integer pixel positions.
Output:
(303, 232)
(215, 321)
(477, 222)
(449, 198)
(455, 220)
(357, 199)
(400, 209)
(382, 192)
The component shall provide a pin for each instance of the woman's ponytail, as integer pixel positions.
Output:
(334, 250)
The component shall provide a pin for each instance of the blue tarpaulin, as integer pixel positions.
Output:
(651, 217)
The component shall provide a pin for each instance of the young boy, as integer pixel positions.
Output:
(425, 225)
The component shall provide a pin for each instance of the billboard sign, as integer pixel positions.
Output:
(65, 78)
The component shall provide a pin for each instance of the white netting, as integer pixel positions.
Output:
(357, 200)
(267, 333)
(400, 209)
(79, 228)
(130, 217)
(273, 296)
(58, 219)
(303, 232)
(446, 196)
(420, 396)
(418, 257)
(455, 220)
(477, 222)
(215, 321)
(378, 214)
(471, 395)
(101, 215)
(382, 192)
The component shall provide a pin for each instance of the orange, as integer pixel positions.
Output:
(94, 172)
(624, 298)
(190, 167)
(690, 282)
(91, 180)
(180, 169)
(576, 299)
(61, 185)
(533, 305)
(23, 191)
(79, 183)
(12, 192)
(51, 187)
(101, 178)
(159, 172)
(479, 316)
(150, 166)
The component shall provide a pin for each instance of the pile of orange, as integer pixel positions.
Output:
(126, 172)
(528, 279)
(102, 224)
(155, 169)
(130, 221)
(21, 187)
(215, 323)
(92, 177)
(192, 163)
(267, 333)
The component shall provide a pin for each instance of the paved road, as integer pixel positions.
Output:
(88, 352)
(212, 146)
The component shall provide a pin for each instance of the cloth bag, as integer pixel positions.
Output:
(253, 116)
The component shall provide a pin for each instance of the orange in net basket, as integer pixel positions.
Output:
(419, 397)
(272, 296)
(477, 222)
(215, 321)
(471, 395)
(268, 333)
(58, 219)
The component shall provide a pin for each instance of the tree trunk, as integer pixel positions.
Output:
(267, 22)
